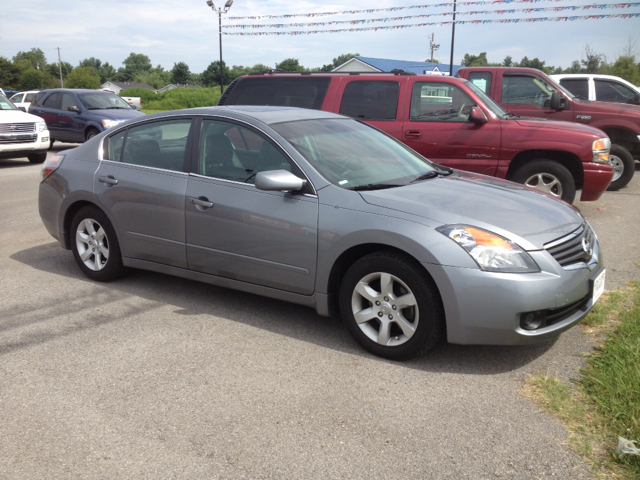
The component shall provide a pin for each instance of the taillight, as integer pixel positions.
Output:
(51, 165)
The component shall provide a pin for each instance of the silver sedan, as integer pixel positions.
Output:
(325, 211)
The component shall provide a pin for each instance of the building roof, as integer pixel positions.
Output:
(124, 85)
(176, 85)
(386, 65)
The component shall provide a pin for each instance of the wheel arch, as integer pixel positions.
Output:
(567, 159)
(352, 255)
(71, 212)
(625, 138)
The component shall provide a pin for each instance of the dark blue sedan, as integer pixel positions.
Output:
(75, 115)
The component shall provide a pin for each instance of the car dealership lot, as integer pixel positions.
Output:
(156, 377)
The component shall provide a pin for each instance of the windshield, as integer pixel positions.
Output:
(353, 155)
(6, 104)
(488, 101)
(102, 100)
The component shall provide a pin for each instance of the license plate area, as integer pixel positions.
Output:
(597, 285)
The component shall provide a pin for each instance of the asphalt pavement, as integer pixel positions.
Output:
(158, 377)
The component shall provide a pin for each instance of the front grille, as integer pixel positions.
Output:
(17, 127)
(10, 139)
(577, 248)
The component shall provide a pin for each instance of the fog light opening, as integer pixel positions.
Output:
(532, 320)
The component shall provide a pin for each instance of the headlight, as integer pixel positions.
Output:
(41, 126)
(110, 123)
(601, 148)
(491, 252)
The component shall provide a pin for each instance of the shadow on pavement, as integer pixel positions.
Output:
(190, 299)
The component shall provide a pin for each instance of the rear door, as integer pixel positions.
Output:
(438, 127)
(49, 113)
(141, 183)
(236, 231)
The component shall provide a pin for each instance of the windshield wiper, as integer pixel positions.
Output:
(433, 174)
(512, 115)
(121, 108)
(374, 186)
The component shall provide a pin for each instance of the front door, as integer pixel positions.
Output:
(529, 95)
(438, 128)
(141, 183)
(239, 232)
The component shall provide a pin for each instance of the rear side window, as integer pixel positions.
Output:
(370, 100)
(53, 100)
(303, 92)
(578, 86)
(482, 80)
(36, 100)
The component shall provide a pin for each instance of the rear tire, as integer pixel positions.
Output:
(95, 246)
(547, 176)
(624, 166)
(37, 157)
(391, 306)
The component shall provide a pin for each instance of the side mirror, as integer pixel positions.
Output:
(635, 100)
(477, 116)
(279, 180)
(74, 108)
(558, 101)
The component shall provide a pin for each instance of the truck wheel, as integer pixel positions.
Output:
(623, 165)
(37, 157)
(547, 176)
(92, 132)
(51, 144)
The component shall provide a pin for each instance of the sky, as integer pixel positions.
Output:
(171, 31)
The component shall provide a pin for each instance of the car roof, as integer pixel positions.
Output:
(267, 115)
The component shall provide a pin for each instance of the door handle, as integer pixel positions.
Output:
(413, 134)
(109, 180)
(201, 203)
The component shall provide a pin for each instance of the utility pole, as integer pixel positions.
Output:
(60, 68)
(433, 45)
(453, 38)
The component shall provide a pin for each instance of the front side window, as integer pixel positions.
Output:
(353, 155)
(526, 90)
(370, 100)
(439, 102)
(158, 145)
(607, 91)
(17, 98)
(68, 101)
(579, 87)
(232, 152)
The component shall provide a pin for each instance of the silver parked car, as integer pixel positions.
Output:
(325, 211)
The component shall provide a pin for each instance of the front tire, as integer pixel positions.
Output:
(37, 157)
(92, 132)
(547, 176)
(391, 306)
(95, 246)
(624, 167)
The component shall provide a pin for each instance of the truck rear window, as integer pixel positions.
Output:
(303, 92)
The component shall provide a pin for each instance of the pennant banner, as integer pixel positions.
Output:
(390, 9)
(438, 24)
(396, 19)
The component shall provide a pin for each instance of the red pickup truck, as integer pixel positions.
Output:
(450, 121)
(530, 93)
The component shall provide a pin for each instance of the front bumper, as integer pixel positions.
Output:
(597, 177)
(486, 307)
(22, 145)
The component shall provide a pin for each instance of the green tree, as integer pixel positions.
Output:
(134, 64)
(54, 70)
(593, 62)
(32, 79)
(83, 77)
(627, 68)
(9, 74)
(290, 65)
(574, 68)
(180, 73)
(339, 60)
(508, 61)
(533, 63)
(211, 76)
(35, 57)
(475, 60)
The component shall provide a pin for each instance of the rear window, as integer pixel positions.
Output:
(303, 92)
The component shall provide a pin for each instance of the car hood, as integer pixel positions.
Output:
(13, 116)
(116, 114)
(523, 215)
(556, 125)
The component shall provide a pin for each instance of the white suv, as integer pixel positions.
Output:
(602, 88)
(22, 100)
(22, 134)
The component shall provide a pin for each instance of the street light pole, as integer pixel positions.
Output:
(220, 11)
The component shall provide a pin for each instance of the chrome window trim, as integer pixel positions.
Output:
(198, 175)
(115, 162)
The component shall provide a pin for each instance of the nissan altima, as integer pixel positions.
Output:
(322, 210)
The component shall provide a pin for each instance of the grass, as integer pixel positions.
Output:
(605, 402)
(175, 99)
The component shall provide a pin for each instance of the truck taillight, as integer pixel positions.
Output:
(51, 165)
